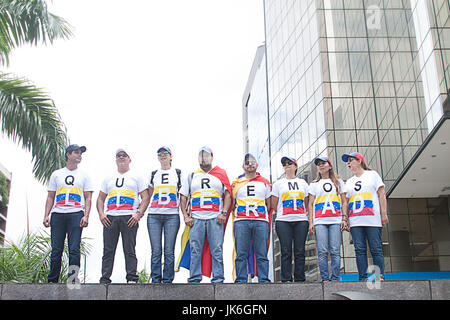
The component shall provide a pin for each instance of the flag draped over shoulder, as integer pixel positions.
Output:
(185, 255)
(251, 262)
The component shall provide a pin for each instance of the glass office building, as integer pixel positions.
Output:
(370, 76)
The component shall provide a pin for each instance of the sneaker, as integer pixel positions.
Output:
(132, 281)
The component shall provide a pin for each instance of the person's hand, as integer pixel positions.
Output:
(46, 221)
(344, 225)
(105, 221)
(384, 219)
(221, 218)
(189, 221)
(84, 222)
(311, 229)
(134, 220)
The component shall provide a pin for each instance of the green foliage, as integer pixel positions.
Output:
(3, 191)
(27, 114)
(144, 276)
(28, 261)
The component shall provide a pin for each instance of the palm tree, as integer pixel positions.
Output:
(28, 260)
(27, 114)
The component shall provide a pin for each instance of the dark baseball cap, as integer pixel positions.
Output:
(74, 147)
(164, 148)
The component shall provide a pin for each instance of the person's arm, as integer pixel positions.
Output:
(311, 199)
(186, 211)
(222, 218)
(48, 207)
(344, 212)
(101, 209)
(383, 206)
(135, 217)
(87, 208)
(269, 204)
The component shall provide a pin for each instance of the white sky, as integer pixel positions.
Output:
(139, 75)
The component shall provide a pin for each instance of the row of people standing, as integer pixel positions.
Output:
(206, 201)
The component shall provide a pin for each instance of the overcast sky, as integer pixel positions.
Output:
(139, 75)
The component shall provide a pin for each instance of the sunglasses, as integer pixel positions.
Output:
(287, 163)
(122, 155)
(162, 154)
(250, 163)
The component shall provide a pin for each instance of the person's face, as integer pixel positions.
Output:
(289, 167)
(205, 159)
(323, 167)
(122, 159)
(75, 156)
(353, 164)
(164, 157)
(250, 165)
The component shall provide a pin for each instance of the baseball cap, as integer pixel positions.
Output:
(250, 156)
(206, 149)
(283, 159)
(325, 159)
(356, 155)
(165, 148)
(121, 150)
(74, 147)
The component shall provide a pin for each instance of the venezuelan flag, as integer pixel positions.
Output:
(184, 258)
(326, 204)
(120, 200)
(206, 201)
(251, 260)
(68, 197)
(164, 197)
(361, 204)
(259, 207)
(289, 207)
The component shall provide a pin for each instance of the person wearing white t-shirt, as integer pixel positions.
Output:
(121, 203)
(163, 216)
(367, 211)
(69, 202)
(327, 217)
(290, 199)
(251, 193)
(209, 191)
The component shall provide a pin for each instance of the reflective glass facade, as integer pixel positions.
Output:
(367, 76)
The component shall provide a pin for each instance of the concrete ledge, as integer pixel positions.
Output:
(14, 291)
(161, 291)
(440, 289)
(269, 291)
(389, 290)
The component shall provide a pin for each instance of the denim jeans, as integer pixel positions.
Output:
(62, 225)
(328, 240)
(248, 233)
(214, 232)
(111, 234)
(157, 224)
(373, 236)
(292, 233)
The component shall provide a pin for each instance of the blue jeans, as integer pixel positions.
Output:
(248, 233)
(62, 225)
(292, 233)
(156, 225)
(373, 236)
(328, 239)
(214, 232)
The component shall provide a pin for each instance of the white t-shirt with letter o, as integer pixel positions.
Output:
(327, 202)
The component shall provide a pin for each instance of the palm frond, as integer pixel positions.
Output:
(29, 116)
(28, 22)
